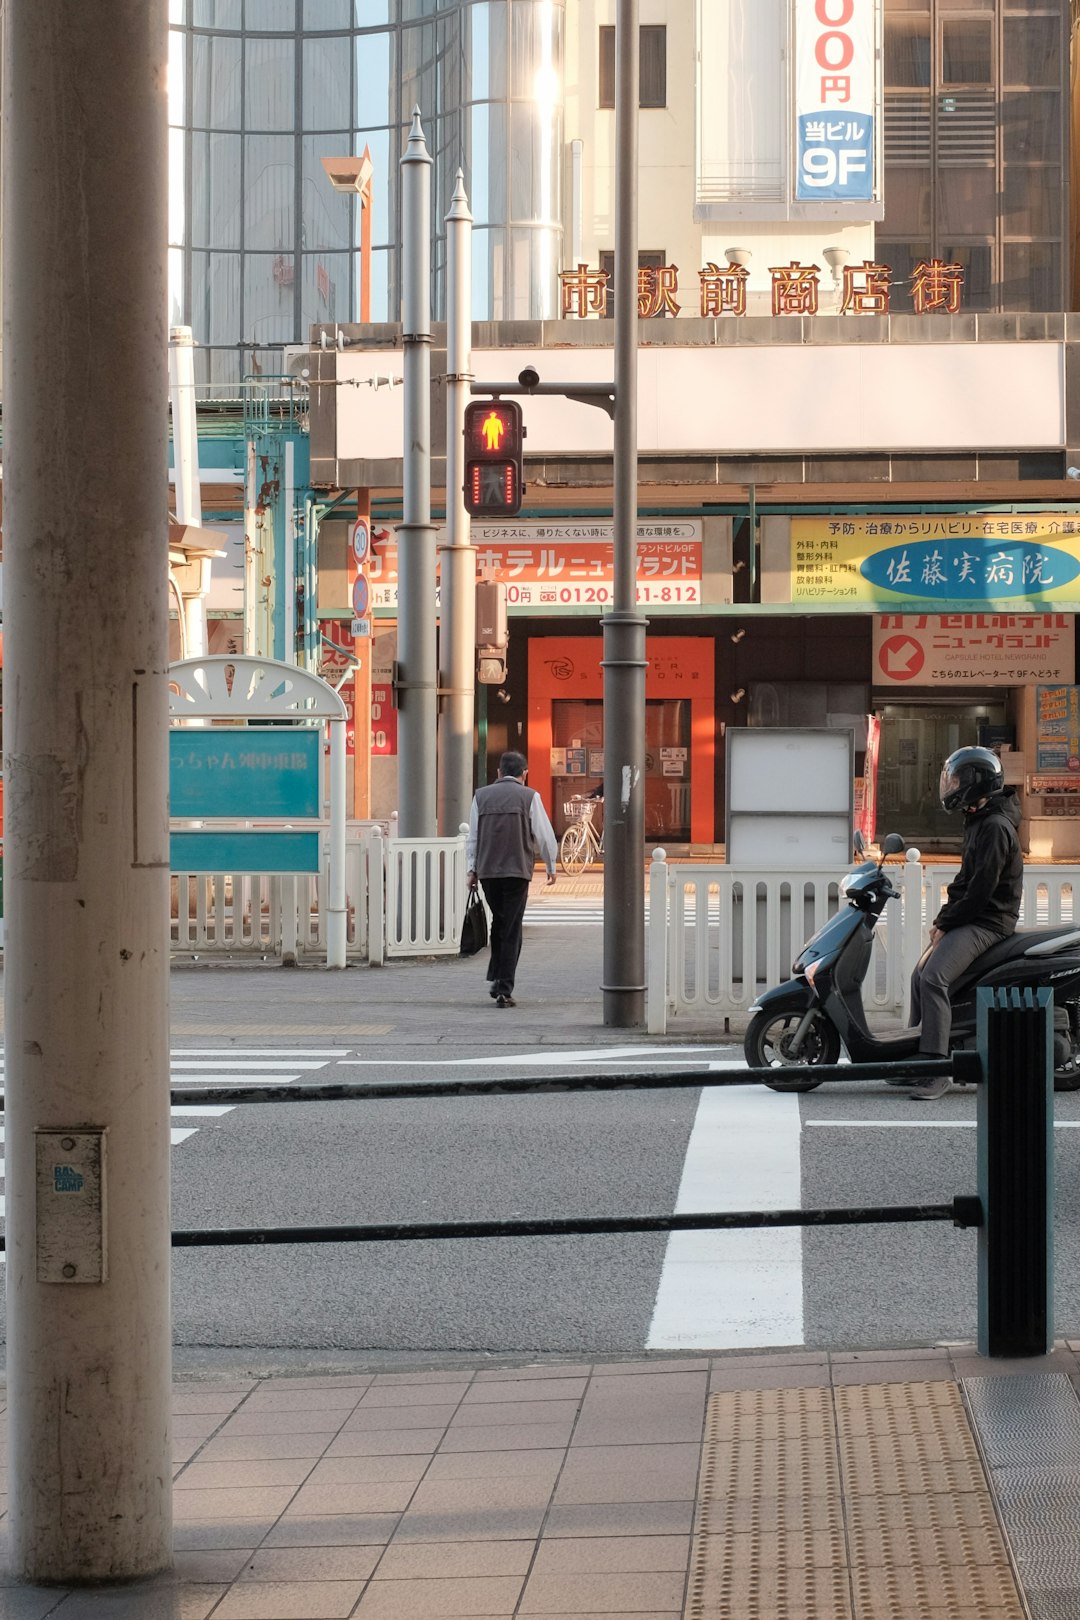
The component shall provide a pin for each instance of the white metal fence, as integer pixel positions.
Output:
(404, 897)
(719, 936)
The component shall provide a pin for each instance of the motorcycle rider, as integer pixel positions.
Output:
(983, 901)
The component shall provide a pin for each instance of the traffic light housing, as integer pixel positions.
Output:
(494, 485)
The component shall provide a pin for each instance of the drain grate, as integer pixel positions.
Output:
(1029, 1428)
(864, 1503)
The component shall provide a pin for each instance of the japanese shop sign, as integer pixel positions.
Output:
(987, 649)
(1057, 732)
(953, 563)
(550, 567)
(834, 100)
(865, 289)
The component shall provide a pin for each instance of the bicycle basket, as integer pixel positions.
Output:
(578, 808)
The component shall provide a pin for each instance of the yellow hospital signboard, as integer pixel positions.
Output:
(937, 561)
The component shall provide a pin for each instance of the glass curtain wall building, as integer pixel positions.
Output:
(976, 122)
(262, 248)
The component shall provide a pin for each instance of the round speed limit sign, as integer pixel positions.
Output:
(361, 540)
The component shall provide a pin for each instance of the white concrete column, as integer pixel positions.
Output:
(86, 840)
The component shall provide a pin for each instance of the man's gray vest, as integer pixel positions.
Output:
(504, 840)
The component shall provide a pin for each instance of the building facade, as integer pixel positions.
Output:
(854, 249)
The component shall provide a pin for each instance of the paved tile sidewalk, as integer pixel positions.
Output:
(579, 1492)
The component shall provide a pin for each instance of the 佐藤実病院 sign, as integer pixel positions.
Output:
(937, 562)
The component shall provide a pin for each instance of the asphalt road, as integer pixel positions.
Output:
(461, 1159)
(611, 1153)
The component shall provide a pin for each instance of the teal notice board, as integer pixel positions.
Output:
(245, 771)
(241, 852)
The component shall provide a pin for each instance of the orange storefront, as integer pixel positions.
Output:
(566, 732)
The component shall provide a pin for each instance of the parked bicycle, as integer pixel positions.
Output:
(580, 844)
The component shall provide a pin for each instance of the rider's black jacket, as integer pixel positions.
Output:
(989, 884)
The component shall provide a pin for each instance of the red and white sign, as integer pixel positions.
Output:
(550, 567)
(383, 720)
(989, 649)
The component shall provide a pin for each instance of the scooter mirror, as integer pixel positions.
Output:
(859, 845)
(893, 844)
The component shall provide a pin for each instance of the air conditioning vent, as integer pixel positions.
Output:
(907, 130)
(967, 127)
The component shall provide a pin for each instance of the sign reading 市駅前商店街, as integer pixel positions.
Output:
(933, 563)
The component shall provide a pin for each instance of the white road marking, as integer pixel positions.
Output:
(728, 1290)
(300, 1054)
(243, 1064)
(914, 1124)
(590, 1055)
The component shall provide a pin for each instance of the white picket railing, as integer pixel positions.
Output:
(719, 936)
(404, 897)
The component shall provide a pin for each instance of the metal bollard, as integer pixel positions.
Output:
(1016, 1171)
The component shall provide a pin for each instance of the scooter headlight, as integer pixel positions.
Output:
(809, 972)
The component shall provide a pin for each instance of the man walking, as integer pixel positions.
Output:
(508, 828)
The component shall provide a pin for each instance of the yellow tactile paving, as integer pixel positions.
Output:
(864, 1502)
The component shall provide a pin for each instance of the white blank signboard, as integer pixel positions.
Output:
(790, 797)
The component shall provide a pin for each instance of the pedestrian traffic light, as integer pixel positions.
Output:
(494, 485)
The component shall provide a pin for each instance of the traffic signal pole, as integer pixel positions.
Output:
(457, 616)
(416, 675)
(624, 627)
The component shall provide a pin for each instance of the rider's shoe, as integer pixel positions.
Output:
(933, 1089)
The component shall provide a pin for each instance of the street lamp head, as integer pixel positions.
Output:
(349, 173)
(834, 257)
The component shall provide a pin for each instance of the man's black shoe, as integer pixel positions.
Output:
(506, 1001)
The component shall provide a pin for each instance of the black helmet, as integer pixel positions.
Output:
(968, 775)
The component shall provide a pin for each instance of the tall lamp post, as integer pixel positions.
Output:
(354, 175)
(624, 626)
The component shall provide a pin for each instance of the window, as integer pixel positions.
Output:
(652, 67)
(645, 259)
(966, 50)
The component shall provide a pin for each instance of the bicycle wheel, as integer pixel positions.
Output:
(575, 850)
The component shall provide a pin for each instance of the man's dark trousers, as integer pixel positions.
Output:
(936, 971)
(506, 896)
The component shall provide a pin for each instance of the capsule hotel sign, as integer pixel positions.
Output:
(985, 649)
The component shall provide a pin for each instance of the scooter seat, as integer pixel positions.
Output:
(1010, 949)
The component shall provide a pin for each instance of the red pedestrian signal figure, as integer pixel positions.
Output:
(494, 485)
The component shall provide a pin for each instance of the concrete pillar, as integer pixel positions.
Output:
(86, 992)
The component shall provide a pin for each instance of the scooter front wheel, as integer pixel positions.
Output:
(768, 1046)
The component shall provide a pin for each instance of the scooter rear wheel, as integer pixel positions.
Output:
(767, 1045)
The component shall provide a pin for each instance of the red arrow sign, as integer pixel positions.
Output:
(901, 657)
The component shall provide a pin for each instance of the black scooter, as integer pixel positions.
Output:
(819, 1010)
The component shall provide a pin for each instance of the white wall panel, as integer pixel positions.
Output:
(839, 398)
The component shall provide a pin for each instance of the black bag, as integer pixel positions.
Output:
(474, 929)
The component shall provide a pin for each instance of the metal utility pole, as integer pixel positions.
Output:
(624, 627)
(87, 848)
(457, 641)
(416, 670)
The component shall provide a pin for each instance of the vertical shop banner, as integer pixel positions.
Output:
(866, 817)
(835, 100)
(1057, 723)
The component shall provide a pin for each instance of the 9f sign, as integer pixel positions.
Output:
(836, 100)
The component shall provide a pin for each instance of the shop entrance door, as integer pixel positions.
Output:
(916, 740)
(577, 732)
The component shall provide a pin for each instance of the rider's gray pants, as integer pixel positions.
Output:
(937, 969)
